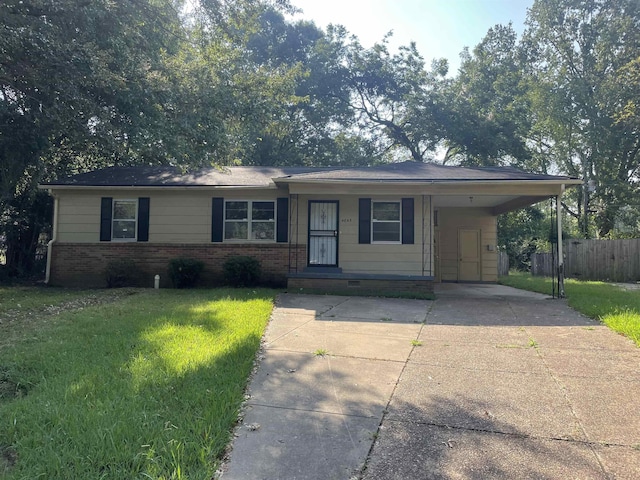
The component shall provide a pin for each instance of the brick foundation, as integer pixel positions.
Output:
(83, 264)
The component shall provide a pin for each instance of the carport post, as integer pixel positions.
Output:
(560, 257)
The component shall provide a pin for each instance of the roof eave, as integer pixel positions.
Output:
(567, 182)
(154, 187)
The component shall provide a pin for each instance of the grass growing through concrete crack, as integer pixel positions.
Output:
(145, 387)
(616, 307)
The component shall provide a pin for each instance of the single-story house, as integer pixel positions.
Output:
(399, 226)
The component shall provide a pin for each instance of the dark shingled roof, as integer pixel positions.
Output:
(146, 176)
(174, 177)
(416, 171)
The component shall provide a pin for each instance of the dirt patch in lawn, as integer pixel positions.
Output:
(8, 458)
(10, 389)
(14, 322)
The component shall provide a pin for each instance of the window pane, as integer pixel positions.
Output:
(386, 232)
(236, 211)
(236, 230)
(124, 229)
(386, 211)
(262, 211)
(124, 209)
(263, 230)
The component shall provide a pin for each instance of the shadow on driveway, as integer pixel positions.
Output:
(484, 382)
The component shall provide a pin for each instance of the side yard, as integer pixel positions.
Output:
(616, 307)
(123, 383)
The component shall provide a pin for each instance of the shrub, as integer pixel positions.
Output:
(121, 272)
(185, 272)
(242, 271)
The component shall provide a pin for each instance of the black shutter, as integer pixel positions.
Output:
(106, 207)
(407, 221)
(143, 219)
(217, 219)
(282, 222)
(364, 220)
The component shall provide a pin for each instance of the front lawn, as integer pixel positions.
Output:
(30, 299)
(147, 386)
(612, 305)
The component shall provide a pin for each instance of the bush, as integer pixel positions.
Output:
(121, 272)
(185, 272)
(242, 271)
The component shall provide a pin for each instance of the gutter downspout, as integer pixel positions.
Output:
(54, 237)
(560, 255)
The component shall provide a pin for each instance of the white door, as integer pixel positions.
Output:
(323, 233)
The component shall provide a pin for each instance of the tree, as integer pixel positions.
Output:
(283, 79)
(83, 84)
(491, 114)
(582, 54)
(521, 233)
(394, 97)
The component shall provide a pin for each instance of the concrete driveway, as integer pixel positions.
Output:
(485, 382)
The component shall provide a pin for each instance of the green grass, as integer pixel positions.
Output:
(612, 305)
(147, 386)
(20, 299)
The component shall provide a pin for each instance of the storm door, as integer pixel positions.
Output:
(323, 233)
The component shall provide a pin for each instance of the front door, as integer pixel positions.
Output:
(469, 264)
(323, 233)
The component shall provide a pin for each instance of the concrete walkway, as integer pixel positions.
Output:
(485, 382)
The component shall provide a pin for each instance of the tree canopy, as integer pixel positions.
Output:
(85, 84)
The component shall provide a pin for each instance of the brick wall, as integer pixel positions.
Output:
(83, 264)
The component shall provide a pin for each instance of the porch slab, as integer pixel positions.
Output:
(359, 284)
(381, 309)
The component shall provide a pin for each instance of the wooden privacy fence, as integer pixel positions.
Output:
(503, 263)
(543, 264)
(606, 260)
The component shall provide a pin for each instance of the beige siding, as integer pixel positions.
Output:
(78, 217)
(353, 257)
(180, 217)
(451, 220)
(176, 216)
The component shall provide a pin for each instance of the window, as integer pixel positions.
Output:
(385, 222)
(249, 220)
(124, 219)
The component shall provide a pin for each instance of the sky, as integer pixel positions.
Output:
(440, 28)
